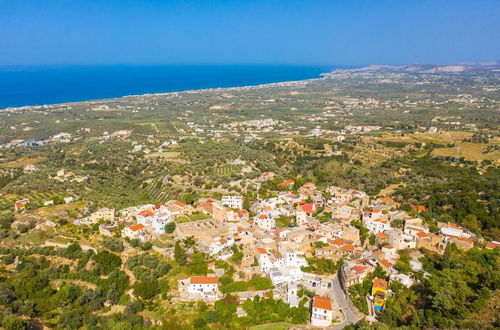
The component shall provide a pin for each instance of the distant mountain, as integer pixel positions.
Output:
(461, 67)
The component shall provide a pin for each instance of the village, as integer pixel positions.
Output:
(364, 196)
(281, 237)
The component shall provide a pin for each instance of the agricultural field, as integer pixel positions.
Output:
(421, 138)
(469, 151)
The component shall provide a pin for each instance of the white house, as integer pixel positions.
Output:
(377, 226)
(30, 168)
(265, 261)
(265, 221)
(134, 232)
(220, 244)
(206, 288)
(155, 218)
(234, 202)
(321, 312)
(454, 230)
(301, 217)
(294, 259)
(68, 200)
(403, 279)
(372, 215)
(291, 294)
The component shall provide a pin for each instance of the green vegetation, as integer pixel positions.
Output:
(256, 283)
(189, 145)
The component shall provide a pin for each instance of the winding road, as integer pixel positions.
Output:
(349, 311)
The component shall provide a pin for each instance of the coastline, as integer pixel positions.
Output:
(318, 74)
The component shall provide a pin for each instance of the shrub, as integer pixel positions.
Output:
(113, 244)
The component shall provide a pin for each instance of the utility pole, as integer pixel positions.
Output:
(457, 155)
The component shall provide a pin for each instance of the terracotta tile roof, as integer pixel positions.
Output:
(380, 283)
(223, 240)
(204, 280)
(262, 250)
(348, 247)
(381, 235)
(181, 204)
(322, 302)
(286, 183)
(492, 245)
(467, 240)
(309, 208)
(338, 241)
(146, 213)
(385, 263)
(358, 269)
(421, 234)
(387, 247)
(136, 227)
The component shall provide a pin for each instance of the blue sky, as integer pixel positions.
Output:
(302, 32)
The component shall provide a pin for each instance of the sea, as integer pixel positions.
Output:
(40, 85)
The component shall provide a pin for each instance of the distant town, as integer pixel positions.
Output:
(367, 197)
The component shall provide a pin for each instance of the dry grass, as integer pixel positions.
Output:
(390, 189)
(444, 137)
(21, 162)
(469, 151)
(55, 210)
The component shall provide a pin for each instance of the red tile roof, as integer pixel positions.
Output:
(358, 269)
(348, 247)
(492, 245)
(262, 250)
(136, 227)
(385, 263)
(146, 213)
(379, 283)
(338, 241)
(454, 225)
(322, 302)
(309, 208)
(286, 183)
(204, 280)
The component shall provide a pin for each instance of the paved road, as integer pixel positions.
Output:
(350, 313)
